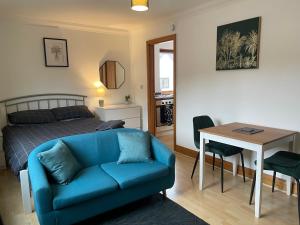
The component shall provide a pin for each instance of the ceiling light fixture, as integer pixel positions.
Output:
(140, 5)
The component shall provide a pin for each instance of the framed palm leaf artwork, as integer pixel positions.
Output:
(238, 45)
(56, 52)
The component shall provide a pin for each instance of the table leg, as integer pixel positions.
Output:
(202, 163)
(258, 187)
(235, 163)
(289, 180)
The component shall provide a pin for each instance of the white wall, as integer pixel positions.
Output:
(138, 40)
(265, 96)
(22, 62)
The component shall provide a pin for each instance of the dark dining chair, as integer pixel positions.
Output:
(223, 150)
(287, 163)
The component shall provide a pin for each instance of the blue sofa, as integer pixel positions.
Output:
(103, 184)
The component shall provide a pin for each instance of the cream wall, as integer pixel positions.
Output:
(266, 96)
(138, 40)
(22, 61)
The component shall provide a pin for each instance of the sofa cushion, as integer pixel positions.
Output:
(131, 174)
(89, 183)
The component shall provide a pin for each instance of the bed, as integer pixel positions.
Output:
(20, 139)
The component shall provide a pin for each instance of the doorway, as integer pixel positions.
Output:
(161, 72)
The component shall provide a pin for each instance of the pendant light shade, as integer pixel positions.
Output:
(140, 5)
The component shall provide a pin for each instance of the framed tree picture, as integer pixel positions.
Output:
(56, 52)
(238, 45)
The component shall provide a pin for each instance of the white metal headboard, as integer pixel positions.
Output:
(38, 101)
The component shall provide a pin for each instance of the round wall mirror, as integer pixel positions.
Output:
(112, 74)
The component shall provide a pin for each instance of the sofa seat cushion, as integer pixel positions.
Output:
(131, 174)
(89, 183)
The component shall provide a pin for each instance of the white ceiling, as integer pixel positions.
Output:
(100, 13)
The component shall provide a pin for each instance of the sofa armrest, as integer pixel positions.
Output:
(40, 186)
(162, 153)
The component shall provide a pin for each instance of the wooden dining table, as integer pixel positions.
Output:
(268, 138)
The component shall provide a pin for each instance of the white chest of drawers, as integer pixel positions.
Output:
(2, 156)
(129, 113)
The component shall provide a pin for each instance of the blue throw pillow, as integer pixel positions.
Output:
(60, 162)
(134, 147)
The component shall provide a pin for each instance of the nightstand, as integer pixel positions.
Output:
(129, 113)
(2, 156)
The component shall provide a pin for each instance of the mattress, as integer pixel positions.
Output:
(20, 140)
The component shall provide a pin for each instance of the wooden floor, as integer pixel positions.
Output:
(211, 205)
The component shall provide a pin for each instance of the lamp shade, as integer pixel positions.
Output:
(140, 5)
(100, 89)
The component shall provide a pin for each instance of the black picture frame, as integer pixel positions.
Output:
(56, 52)
(238, 45)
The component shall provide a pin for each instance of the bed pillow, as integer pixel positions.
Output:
(134, 147)
(72, 112)
(60, 163)
(31, 117)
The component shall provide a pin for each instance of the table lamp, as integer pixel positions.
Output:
(100, 92)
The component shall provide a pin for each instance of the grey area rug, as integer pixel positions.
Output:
(154, 210)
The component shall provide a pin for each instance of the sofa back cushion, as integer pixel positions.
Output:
(94, 148)
(108, 145)
(84, 147)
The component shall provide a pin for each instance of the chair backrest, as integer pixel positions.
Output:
(201, 122)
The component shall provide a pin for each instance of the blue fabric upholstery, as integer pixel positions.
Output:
(131, 174)
(93, 190)
(134, 147)
(40, 185)
(79, 212)
(90, 183)
(60, 162)
(161, 153)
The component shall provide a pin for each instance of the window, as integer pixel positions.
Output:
(164, 83)
(166, 71)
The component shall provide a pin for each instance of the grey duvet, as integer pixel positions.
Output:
(20, 140)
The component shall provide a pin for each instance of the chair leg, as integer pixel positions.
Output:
(252, 188)
(298, 192)
(243, 166)
(222, 174)
(214, 159)
(195, 164)
(273, 182)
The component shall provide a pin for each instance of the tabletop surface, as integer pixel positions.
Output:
(268, 134)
